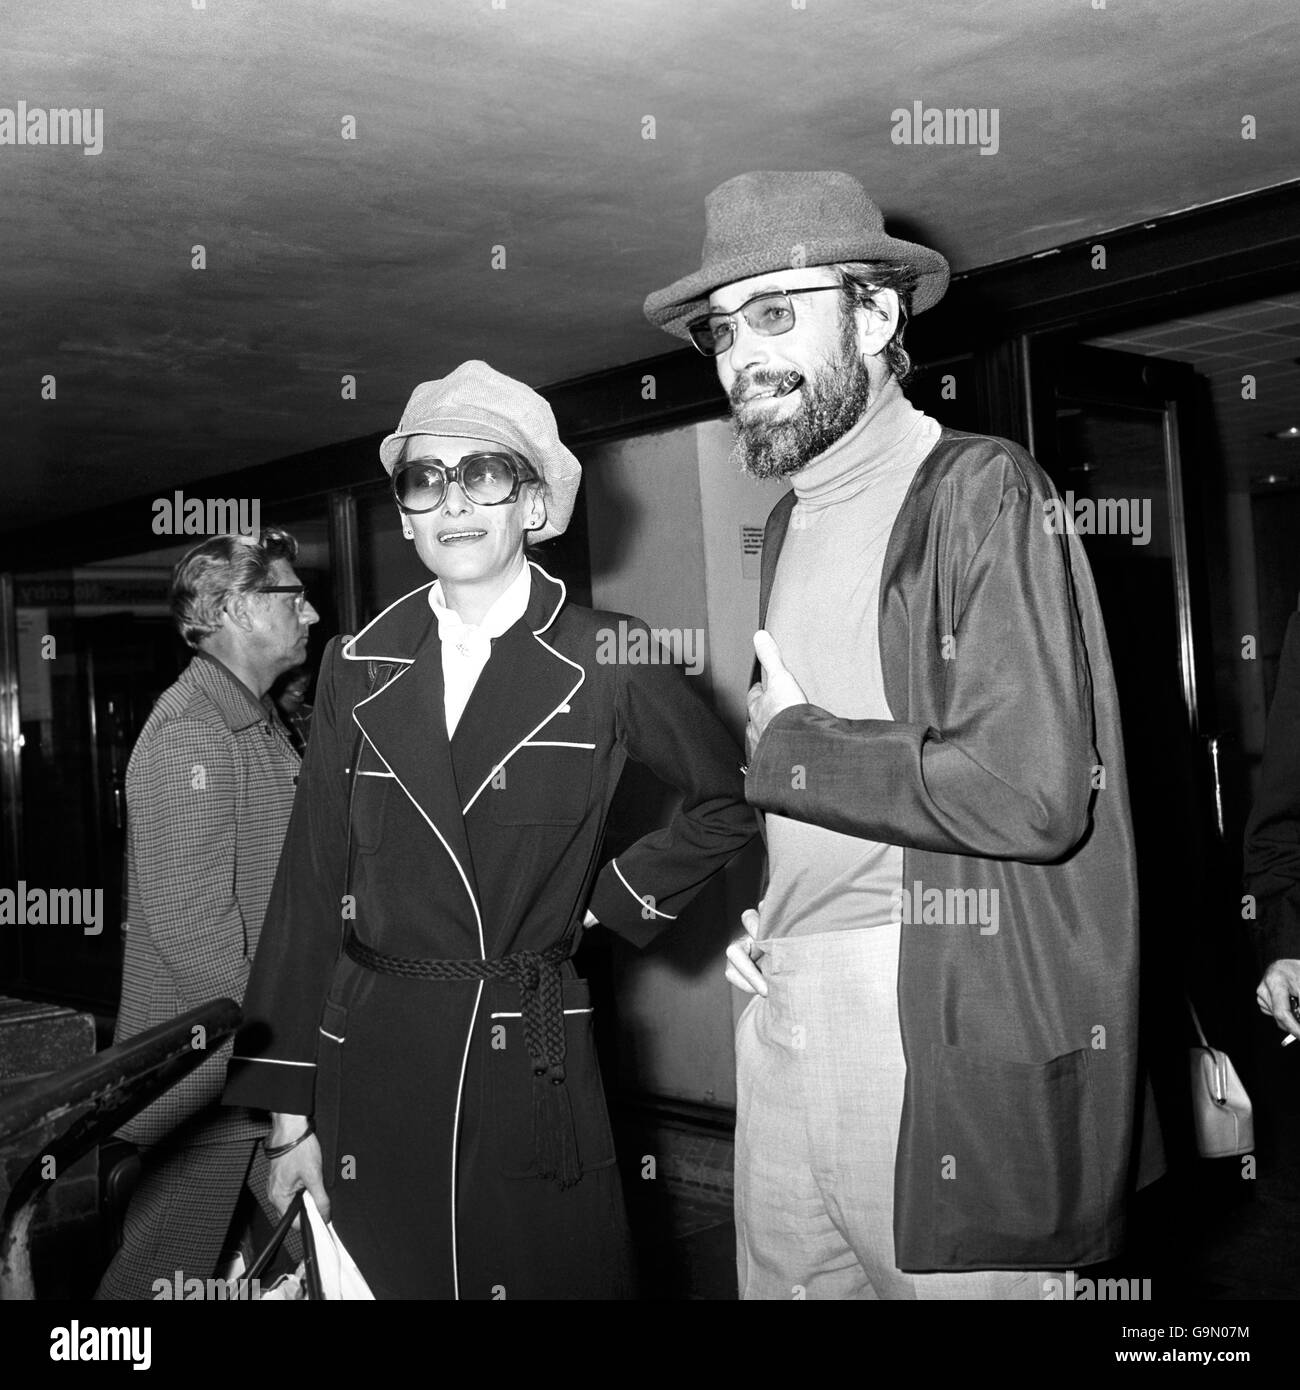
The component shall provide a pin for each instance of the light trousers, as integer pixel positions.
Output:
(819, 1082)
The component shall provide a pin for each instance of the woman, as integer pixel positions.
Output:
(417, 1009)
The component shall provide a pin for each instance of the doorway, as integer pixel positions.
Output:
(1168, 441)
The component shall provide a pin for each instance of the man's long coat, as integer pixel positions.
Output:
(1002, 771)
(472, 848)
(209, 789)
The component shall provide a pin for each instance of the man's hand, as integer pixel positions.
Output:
(1281, 980)
(742, 969)
(778, 690)
(300, 1167)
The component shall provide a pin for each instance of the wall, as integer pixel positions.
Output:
(664, 513)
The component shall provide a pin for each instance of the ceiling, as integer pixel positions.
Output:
(1260, 339)
(522, 126)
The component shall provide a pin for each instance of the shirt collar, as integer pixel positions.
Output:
(237, 702)
(509, 607)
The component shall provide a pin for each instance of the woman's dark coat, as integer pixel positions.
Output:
(422, 1091)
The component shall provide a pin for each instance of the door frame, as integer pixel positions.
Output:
(1064, 370)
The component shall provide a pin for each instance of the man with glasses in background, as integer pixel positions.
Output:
(936, 1077)
(208, 791)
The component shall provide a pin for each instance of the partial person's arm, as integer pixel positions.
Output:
(1007, 771)
(669, 728)
(298, 1165)
(182, 790)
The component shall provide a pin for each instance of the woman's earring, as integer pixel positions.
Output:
(406, 530)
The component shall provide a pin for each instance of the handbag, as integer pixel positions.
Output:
(1221, 1110)
(304, 1284)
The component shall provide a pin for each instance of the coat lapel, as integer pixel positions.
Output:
(521, 687)
(778, 522)
(405, 721)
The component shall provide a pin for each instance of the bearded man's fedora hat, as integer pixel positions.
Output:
(769, 221)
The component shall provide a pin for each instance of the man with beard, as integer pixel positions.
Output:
(936, 1077)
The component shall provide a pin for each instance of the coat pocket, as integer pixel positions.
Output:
(511, 1087)
(1019, 1182)
(542, 784)
(332, 1035)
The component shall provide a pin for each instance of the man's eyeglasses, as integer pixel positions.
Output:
(299, 592)
(769, 314)
(487, 479)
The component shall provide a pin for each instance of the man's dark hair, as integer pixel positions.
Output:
(858, 282)
(207, 576)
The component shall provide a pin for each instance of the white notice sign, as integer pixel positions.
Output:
(751, 551)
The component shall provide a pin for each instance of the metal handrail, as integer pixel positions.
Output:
(116, 1084)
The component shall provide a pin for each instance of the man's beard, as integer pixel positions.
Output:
(834, 400)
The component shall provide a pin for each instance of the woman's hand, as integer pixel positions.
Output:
(300, 1167)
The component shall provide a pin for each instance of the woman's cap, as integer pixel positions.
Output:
(478, 402)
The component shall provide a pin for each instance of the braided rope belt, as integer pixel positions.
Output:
(541, 991)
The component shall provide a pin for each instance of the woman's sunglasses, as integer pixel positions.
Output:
(487, 479)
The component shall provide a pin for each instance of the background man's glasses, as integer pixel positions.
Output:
(299, 592)
(769, 315)
(487, 479)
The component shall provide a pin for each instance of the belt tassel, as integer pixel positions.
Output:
(556, 1137)
(556, 1140)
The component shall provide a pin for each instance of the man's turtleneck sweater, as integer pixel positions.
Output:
(824, 614)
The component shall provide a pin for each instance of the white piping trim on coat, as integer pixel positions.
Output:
(455, 1145)
(406, 660)
(469, 1036)
(274, 1061)
(549, 743)
(473, 901)
(564, 594)
(361, 772)
(587, 1010)
(637, 895)
(333, 1037)
(582, 678)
